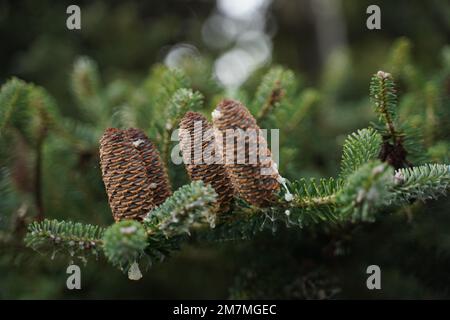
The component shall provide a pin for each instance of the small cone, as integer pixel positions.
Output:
(199, 156)
(251, 169)
(128, 166)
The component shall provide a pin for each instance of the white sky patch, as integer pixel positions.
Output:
(240, 9)
(179, 54)
(233, 68)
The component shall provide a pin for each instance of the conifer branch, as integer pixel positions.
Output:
(359, 148)
(189, 205)
(365, 185)
(159, 89)
(86, 86)
(127, 241)
(307, 99)
(13, 101)
(74, 239)
(272, 90)
(384, 97)
(366, 190)
(31, 111)
(423, 182)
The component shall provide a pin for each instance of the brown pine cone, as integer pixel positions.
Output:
(255, 178)
(199, 156)
(156, 171)
(130, 169)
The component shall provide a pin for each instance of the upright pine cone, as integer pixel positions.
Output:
(134, 178)
(256, 179)
(199, 156)
(156, 171)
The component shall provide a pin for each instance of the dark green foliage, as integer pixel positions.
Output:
(189, 205)
(276, 86)
(13, 102)
(75, 239)
(182, 101)
(424, 182)
(384, 96)
(365, 185)
(314, 200)
(318, 230)
(28, 109)
(359, 148)
(86, 85)
(366, 190)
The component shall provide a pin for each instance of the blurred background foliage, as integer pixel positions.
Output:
(225, 48)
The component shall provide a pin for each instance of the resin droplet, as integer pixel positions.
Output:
(134, 273)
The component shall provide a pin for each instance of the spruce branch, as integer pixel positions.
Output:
(306, 101)
(28, 108)
(153, 98)
(365, 185)
(314, 200)
(162, 84)
(273, 88)
(372, 186)
(359, 148)
(384, 97)
(86, 86)
(13, 103)
(74, 239)
(365, 190)
(44, 117)
(169, 224)
(32, 111)
(83, 136)
(189, 205)
(400, 56)
(423, 182)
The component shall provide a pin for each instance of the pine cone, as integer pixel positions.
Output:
(156, 171)
(255, 178)
(198, 148)
(133, 176)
